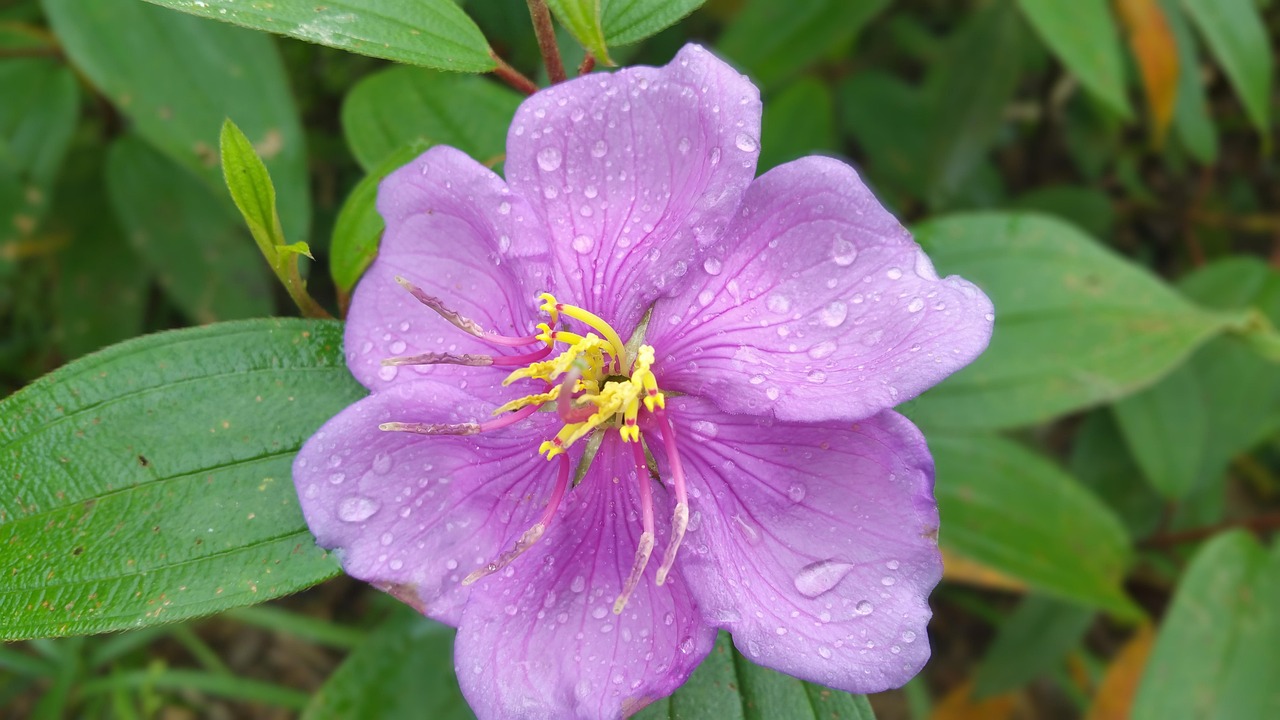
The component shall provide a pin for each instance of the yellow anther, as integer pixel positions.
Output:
(528, 400)
(595, 322)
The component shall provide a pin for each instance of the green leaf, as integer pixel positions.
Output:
(151, 482)
(1076, 325)
(251, 190)
(1218, 648)
(629, 21)
(1032, 642)
(799, 121)
(403, 671)
(772, 41)
(727, 686)
(892, 123)
(358, 229)
(190, 239)
(433, 33)
(583, 19)
(1015, 511)
(1101, 461)
(399, 106)
(1088, 207)
(1237, 36)
(37, 118)
(969, 88)
(1191, 112)
(1186, 429)
(1084, 36)
(178, 77)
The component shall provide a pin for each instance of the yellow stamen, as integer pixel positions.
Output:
(592, 320)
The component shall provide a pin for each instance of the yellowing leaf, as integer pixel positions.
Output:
(963, 570)
(959, 704)
(1153, 46)
(1120, 683)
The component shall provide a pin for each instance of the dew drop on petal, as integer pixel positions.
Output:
(357, 508)
(821, 577)
(833, 314)
(704, 428)
(706, 297)
(746, 143)
(864, 608)
(683, 146)
(825, 652)
(504, 207)
(796, 492)
(583, 244)
(778, 303)
(822, 350)
(549, 158)
(579, 584)
(686, 645)
(387, 372)
(893, 273)
(599, 149)
(712, 265)
(915, 306)
(843, 252)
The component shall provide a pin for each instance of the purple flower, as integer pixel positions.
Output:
(632, 395)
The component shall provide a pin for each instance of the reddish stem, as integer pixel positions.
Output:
(512, 76)
(547, 40)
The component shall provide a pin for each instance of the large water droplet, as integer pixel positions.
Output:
(579, 584)
(683, 146)
(704, 428)
(833, 314)
(893, 273)
(705, 297)
(746, 143)
(504, 207)
(599, 149)
(583, 244)
(357, 508)
(822, 349)
(843, 252)
(864, 608)
(713, 266)
(796, 492)
(549, 158)
(820, 577)
(778, 303)
(915, 306)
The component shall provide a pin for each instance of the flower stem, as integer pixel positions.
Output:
(547, 40)
(588, 64)
(512, 76)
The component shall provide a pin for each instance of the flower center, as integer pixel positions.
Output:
(593, 384)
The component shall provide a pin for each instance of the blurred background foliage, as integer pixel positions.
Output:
(1108, 473)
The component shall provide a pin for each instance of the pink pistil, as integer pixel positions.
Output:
(510, 418)
(569, 414)
(645, 547)
(463, 323)
(680, 519)
(525, 359)
(533, 534)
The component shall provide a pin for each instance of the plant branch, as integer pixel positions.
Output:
(547, 40)
(1258, 524)
(588, 64)
(512, 76)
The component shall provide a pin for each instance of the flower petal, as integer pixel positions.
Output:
(816, 304)
(415, 514)
(540, 641)
(634, 172)
(815, 545)
(456, 232)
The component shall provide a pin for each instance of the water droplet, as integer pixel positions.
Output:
(908, 636)
(583, 244)
(872, 337)
(511, 609)
(915, 306)
(824, 651)
(833, 314)
(387, 372)
(579, 584)
(396, 564)
(778, 303)
(843, 252)
(668, 619)
(357, 508)
(713, 266)
(863, 608)
(817, 377)
(796, 492)
(504, 207)
(715, 156)
(686, 645)
(893, 564)
(746, 143)
(893, 273)
(599, 612)
(337, 478)
(820, 577)
(590, 192)
(704, 428)
(387, 538)
(771, 393)
(599, 149)
(549, 158)
(887, 581)
(753, 647)
(924, 267)
(683, 146)
(705, 297)
(822, 349)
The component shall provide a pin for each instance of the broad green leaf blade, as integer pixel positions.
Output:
(433, 33)
(969, 89)
(583, 19)
(178, 77)
(1016, 512)
(358, 230)
(251, 189)
(1191, 112)
(772, 41)
(1237, 36)
(799, 121)
(151, 482)
(1218, 648)
(1225, 401)
(190, 239)
(1032, 642)
(399, 106)
(1084, 36)
(1166, 428)
(1076, 325)
(38, 112)
(1101, 461)
(1091, 209)
(403, 671)
(629, 21)
(892, 123)
(727, 686)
